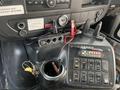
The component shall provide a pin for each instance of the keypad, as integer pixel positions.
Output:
(42, 2)
(90, 66)
(88, 71)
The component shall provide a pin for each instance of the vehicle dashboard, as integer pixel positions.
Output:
(54, 38)
(17, 25)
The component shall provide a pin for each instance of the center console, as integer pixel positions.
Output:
(88, 62)
(49, 48)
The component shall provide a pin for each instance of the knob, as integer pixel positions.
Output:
(63, 20)
(23, 33)
(51, 3)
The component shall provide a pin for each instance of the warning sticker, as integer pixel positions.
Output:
(11, 10)
(35, 24)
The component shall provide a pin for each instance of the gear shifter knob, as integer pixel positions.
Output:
(97, 30)
(86, 26)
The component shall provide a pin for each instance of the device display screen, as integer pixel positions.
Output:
(88, 53)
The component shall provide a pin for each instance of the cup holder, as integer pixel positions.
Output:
(52, 70)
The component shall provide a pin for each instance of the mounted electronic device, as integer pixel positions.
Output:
(91, 61)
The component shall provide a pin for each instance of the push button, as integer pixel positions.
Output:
(76, 76)
(98, 65)
(90, 64)
(51, 3)
(105, 65)
(29, 2)
(41, 2)
(76, 63)
(83, 77)
(98, 78)
(91, 77)
(84, 64)
(36, 2)
(105, 78)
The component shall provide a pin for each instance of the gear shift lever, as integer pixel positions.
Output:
(86, 27)
(97, 30)
(96, 33)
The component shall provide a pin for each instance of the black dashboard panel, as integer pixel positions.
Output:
(30, 17)
(42, 5)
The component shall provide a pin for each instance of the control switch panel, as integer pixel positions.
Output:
(90, 66)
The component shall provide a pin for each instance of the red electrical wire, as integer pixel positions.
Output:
(73, 32)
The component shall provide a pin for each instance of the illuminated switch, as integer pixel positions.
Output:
(84, 64)
(105, 65)
(41, 2)
(76, 63)
(30, 2)
(36, 2)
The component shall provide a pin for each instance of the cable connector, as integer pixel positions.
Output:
(73, 32)
(28, 66)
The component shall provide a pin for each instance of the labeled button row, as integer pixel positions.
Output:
(42, 2)
(90, 78)
(90, 64)
(35, 2)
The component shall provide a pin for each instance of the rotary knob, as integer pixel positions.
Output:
(51, 3)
